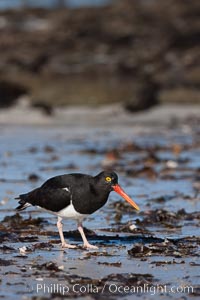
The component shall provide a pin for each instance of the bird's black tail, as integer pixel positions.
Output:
(23, 204)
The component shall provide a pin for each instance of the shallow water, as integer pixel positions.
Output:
(6, 4)
(157, 168)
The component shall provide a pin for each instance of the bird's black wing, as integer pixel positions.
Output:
(69, 181)
(48, 198)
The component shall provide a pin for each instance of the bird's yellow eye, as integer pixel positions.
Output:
(108, 179)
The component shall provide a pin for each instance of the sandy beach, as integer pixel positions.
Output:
(109, 115)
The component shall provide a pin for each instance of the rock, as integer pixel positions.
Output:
(46, 108)
(9, 92)
(146, 96)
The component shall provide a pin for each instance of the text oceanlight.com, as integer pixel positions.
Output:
(111, 288)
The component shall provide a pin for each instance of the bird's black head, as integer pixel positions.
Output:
(107, 179)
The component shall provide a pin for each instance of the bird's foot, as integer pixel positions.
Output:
(65, 245)
(89, 246)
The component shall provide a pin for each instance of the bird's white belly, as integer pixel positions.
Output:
(71, 213)
(67, 212)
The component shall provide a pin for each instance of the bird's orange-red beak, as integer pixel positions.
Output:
(117, 188)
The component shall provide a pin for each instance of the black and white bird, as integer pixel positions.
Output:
(74, 196)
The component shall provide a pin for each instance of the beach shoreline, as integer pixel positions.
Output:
(112, 115)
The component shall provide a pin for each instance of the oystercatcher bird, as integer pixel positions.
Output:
(74, 196)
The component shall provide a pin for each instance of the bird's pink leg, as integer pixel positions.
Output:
(86, 244)
(60, 230)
